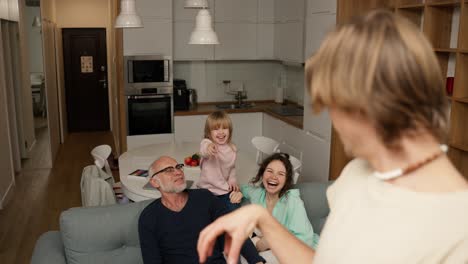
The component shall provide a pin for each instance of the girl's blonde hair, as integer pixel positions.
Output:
(382, 66)
(216, 120)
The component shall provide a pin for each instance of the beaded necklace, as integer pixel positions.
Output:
(412, 167)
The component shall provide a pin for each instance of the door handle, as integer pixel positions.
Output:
(104, 83)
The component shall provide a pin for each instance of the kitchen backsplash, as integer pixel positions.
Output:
(258, 77)
(295, 83)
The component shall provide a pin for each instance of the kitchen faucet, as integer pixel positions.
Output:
(240, 95)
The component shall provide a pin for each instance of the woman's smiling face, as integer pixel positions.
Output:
(274, 177)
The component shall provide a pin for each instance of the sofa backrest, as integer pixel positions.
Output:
(315, 202)
(106, 234)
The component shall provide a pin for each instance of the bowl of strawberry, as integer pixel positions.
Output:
(192, 161)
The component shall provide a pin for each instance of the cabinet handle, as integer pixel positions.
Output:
(315, 135)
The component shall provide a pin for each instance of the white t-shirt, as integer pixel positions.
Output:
(372, 221)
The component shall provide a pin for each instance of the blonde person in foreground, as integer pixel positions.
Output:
(400, 200)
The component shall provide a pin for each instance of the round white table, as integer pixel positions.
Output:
(141, 158)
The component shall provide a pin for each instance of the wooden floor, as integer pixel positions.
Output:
(40, 195)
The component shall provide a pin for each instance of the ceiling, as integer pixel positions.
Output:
(33, 2)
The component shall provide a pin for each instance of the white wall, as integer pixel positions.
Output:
(6, 160)
(34, 39)
(207, 76)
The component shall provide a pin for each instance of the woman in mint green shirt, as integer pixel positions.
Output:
(271, 188)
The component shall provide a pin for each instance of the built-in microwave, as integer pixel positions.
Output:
(143, 71)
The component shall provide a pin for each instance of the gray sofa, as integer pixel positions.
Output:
(109, 234)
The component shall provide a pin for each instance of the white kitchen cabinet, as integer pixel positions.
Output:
(185, 51)
(4, 9)
(188, 14)
(13, 11)
(289, 38)
(189, 128)
(265, 41)
(9, 10)
(266, 11)
(290, 10)
(156, 35)
(244, 11)
(321, 6)
(273, 128)
(160, 9)
(154, 38)
(245, 127)
(316, 124)
(315, 151)
(315, 159)
(238, 41)
(317, 26)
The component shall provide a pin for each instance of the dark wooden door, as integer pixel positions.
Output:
(85, 66)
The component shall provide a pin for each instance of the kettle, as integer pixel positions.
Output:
(193, 98)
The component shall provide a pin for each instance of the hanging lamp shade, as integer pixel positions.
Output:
(196, 4)
(203, 33)
(128, 18)
(37, 22)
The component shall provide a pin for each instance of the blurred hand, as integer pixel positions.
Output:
(235, 197)
(233, 187)
(237, 226)
(212, 149)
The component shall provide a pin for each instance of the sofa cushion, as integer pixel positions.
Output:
(314, 195)
(49, 249)
(107, 234)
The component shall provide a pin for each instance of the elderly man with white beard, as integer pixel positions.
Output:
(169, 227)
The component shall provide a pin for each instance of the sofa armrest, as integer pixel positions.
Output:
(49, 249)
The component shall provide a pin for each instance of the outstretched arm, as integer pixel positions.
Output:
(240, 223)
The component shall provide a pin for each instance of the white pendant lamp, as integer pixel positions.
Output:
(128, 18)
(196, 4)
(37, 22)
(203, 33)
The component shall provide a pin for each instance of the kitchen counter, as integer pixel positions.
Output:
(258, 106)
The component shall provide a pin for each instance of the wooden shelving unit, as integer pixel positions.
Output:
(445, 23)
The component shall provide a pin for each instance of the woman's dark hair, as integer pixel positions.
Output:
(284, 158)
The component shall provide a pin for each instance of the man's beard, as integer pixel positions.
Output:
(172, 189)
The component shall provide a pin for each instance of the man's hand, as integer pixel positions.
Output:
(237, 226)
(212, 149)
(235, 197)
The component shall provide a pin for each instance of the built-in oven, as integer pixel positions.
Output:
(143, 71)
(150, 111)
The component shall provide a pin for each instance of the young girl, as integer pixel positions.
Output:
(218, 173)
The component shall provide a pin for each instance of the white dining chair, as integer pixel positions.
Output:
(264, 145)
(296, 164)
(100, 154)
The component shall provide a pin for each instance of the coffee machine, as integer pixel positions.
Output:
(181, 95)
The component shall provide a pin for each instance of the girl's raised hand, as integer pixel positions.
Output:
(212, 149)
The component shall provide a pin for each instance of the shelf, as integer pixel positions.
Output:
(460, 86)
(409, 2)
(463, 50)
(412, 6)
(460, 100)
(458, 146)
(413, 15)
(449, 97)
(463, 34)
(448, 3)
(446, 50)
(438, 22)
